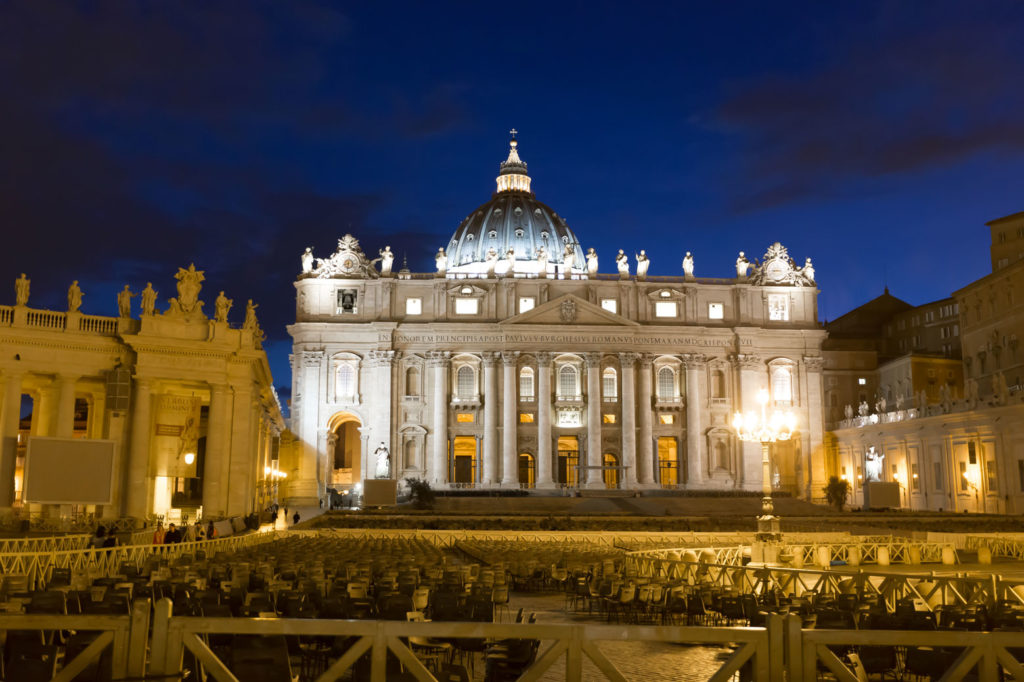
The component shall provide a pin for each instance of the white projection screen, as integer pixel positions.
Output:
(69, 471)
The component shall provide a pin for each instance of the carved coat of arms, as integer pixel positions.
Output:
(567, 311)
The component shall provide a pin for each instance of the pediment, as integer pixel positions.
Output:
(573, 310)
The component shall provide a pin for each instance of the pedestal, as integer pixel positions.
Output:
(380, 492)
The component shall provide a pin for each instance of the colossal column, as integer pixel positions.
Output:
(544, 463)
(439, 361)
(307, 369)
(381, 362)
(65, 406)
(489, 474)
(752, 380)
(696, 463)
(137, 488)
(9, 437)
(627, 362)
(814, 456)
(217, 440)
(644, 453)
(510, 423)
(594, 454)
(238, 483)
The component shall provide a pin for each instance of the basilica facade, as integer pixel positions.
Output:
(518, 364)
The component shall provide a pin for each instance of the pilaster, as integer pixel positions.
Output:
(645, 448)
(510, 421)
(489, 475)
(594, 455)
(696, 455)
(544, 463)
(627, 361)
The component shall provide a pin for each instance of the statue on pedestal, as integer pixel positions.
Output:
(74, 297)
(946, 398)
(383, 462)
(542, 262)
(863, 409)
(21, 290)
(873, 465)
(922, 401)
(622, 261)
(808, 271)
(848, 411)
(148, 299)
(188, 290)
(222, 306)
(568, 255)
(491, 259)
(971, 392)
(510, 262)
(1000, 389)
(642, 263)
(591, 263)
(250, 315)
(688, 265)
(387, 259)
(880, 405)
(742, 266)
(124, 302)
(441, 261)
(307, 260)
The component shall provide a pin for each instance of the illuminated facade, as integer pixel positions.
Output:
(517, 364)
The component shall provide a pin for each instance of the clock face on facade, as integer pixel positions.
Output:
(776, 270)
(348, 264)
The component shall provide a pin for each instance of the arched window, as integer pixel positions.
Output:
(412, 381)
(567, 384)
(346, 382)
(526, 383)
(465, 386)
(717, 384)
(609, 384)
(782, 384)
(666, 383)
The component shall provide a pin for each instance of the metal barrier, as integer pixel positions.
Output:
(38, 566)
(571, 642)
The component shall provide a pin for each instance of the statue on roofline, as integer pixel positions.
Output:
(124, 302)
(74, 297)
(591, 263)
(148, 299)
(21, 286)
(642, 263)
(222, 307)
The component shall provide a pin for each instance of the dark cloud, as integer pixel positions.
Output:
(903, 102)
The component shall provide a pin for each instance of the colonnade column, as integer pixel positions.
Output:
(544, 464)
(627, 361)
(216, 451)
(306, 368)
(65, 427)
(645, 449)
(138, 486)
(490, 471)
(594, 454)
(9, 419)
(752, 379)
(439, 362)
(814, 456)
(697, 465)
(510, 423)
(241, 450)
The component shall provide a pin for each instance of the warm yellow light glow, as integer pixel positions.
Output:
(190, 457)
(464, 418)
(762, 396)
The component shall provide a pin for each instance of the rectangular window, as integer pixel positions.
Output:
(610, 304)
(466, 306)
(667, 418)
(414, 306)
(938, 476)
(465, 418)
(608, 418)
(526, 303)
(716, 311)
(526, 417)
(990, 470)
(862, 381)
(347, 301)
(963, 475)
(1020, 474)
(778, 307)
(665, 308)
(972, 453)
(915, 482)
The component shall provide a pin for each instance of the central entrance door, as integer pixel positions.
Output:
(464, 461)
(569, 461)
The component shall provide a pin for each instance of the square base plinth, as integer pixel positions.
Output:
(380, 492)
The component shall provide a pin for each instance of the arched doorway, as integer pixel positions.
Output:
(668, 462)
(345, 460)
(611, 476)
(568, 460)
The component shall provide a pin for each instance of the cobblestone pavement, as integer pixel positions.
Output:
(646, 661)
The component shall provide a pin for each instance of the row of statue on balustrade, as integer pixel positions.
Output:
(386, 260)
(947, 399)
(187, 301)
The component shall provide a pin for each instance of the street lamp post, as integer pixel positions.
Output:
(765, 429)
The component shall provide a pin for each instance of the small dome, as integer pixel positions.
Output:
(513, 219)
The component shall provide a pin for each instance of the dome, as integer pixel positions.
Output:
(513, 219)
